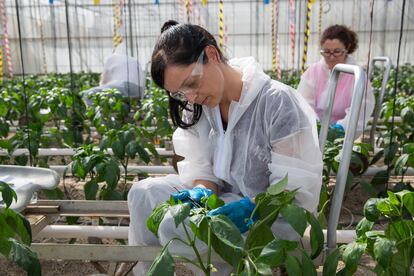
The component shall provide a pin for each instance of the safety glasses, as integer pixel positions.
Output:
(192, 83)
(335, 52)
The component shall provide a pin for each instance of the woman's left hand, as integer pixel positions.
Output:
(238, 212)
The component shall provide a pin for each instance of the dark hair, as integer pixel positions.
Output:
(180, 44)
(348, 37)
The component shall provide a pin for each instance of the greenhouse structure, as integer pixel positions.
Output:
(206, 137)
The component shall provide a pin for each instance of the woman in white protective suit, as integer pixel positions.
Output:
(238, 130)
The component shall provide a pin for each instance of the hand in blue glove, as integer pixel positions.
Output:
(238, 212)
(338, 127)
(189, 195)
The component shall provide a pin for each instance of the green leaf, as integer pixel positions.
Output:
(118, 149)
(5, 245)
(71, 220)
(407, 199)
(21, 160)
(214, 202)
(275, 252)
(383, 250)
(386, 208)
(25, 258)
(380, 178)
(91, 189)
(180, 212)
(402, 232)
(109, 194)
(279, 187)
(264, 269)
(368, 188)
(157, 215)
(143, 153)
(225, 230)
(260, 235)
(408, 148)
(307, 265)
(296, 217)
(352, 254)
(131, 149)
(331, 263)
(112, 174)
(54, 194)
(226, 239)
(19, 224)
(78, 169)
(363, 226)
(370, 209)
(8, 193)
(163, 265)
(293, 266)
(316, 235)
(105, 143)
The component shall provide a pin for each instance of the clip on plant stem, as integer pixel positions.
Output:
(190, 199)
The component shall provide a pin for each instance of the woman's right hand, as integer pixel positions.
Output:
(191, 195)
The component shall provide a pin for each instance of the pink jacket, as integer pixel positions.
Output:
(313, 86)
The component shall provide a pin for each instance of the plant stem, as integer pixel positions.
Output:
(251, 261)
(195, 249)
(126, 173)
(209, 250)
(255, 248)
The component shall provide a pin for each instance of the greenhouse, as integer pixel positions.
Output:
(206, 137)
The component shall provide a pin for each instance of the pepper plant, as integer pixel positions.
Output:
(391, 248)
(110, 110)
(256, 253)
(16, 234)
(154, 112)
(100, 168)
(126, 144)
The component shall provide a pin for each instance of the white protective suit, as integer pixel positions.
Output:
(271, 132)
(121, 72)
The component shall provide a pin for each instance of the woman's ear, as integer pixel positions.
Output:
(212, 54)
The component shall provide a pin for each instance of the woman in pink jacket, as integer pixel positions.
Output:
(337, 44)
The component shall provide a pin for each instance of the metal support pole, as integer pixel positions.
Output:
(357, 95)
(378, 103)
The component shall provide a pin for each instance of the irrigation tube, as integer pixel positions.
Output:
(121, 232)
(358, 93)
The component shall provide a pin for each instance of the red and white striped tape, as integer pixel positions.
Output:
(6, 38)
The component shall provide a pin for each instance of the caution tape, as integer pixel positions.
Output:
(292, 30)
(221, 24)
(307, 33)
(6, 40)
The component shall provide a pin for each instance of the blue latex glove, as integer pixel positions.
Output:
(338, 127)
(335, 131)
(238, 212)
(196, 194)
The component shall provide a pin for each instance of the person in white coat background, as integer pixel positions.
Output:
(238, 130)
(121, 72)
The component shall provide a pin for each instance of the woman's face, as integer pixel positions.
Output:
(197, 83)
(334, 52)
